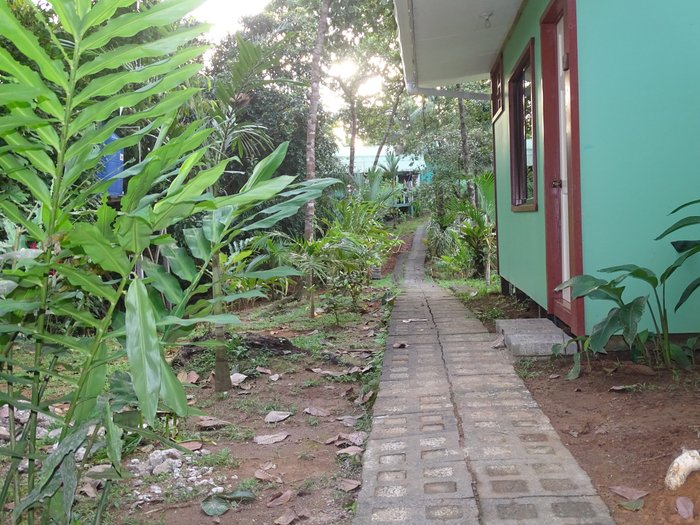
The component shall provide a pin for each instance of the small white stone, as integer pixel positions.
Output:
(216, 490)
(155, 489)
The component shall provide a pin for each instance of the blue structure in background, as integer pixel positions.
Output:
(113, 165)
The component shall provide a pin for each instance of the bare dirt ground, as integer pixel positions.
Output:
(313, 474)
(620, 438)
(624, 438)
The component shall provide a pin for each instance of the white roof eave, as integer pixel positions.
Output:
(445, 42)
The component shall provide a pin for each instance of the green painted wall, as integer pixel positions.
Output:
(640, 136)
(521, 239)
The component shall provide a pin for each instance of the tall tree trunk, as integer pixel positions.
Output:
(464, 153)
(313, 114)
(222, 373)
(353, 137)
(389, 125)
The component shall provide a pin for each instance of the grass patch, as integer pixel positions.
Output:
(221, 458)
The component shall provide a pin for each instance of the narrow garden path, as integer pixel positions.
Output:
(457, 437)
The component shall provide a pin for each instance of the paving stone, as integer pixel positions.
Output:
(526, 326)
(422, 465)
(418, 512)
(578, 510)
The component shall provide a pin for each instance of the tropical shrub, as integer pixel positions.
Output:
(55, 115)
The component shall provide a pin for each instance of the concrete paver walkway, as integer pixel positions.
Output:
(456, 437)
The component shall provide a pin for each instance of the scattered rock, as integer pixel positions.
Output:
(280, 498)
(210, 423)
(4, 434)
(348, 485)
(318, 412)
(276, 416)
(270, 439)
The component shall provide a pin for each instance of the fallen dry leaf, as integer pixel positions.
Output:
(191, 445)
(271, 439)
(348, 421)
(685, 507)
(622, 388)
(365, 398)
(499, 342)
(319, 412)
(354, 370)
(370, 333)
(210, 423)
(347, 392)
(237, 379)
(628, 493)
(276, 416)
(348, 485)
(349, 451)
(264, 475)
(356, 438)
(280, 498)
(414, 321)
(288, 517)
(268, 466)
(89, 488)
(554, 376)
(274, 377)
(262, 370)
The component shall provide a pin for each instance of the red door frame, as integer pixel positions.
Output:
(573, 316)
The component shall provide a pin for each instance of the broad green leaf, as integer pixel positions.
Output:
(108, 257)
(36, 496)
(181, 264)
(604, 330)
(575, 371)
(27, 43)
(67, 341)
(248, 294)
(215, 505)
(100, 111)
(687, 293)
(88, 282)
(680, 261)
(9, 306)
(213, 319)
(638, 272)
(113, 438)
(101, 12)
(581, 285)
(98, 136)
(107, 85)
(171, 391)
(94, 385)
(169, 215)
(32, 151)
(143, 349)
(633, 505)
(630, 315)
(69, 480)
(7, 287)
(260, 193)
(105, 219)
(82, 316)
(26, 177)
(13, 92)
(185, 170)
(193, 188)
(67, 445)
(280, 271)
(691, 203)
(30, 79)
(197, 243)
(679, 356)
(683, 223)
(65, 11)
(163, 13)
(12, 212)
(267, 167)
(134, 233)
(163, 281)
(239, 496)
